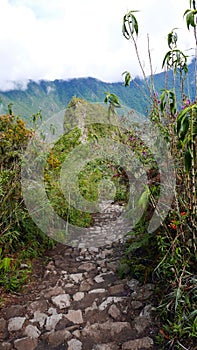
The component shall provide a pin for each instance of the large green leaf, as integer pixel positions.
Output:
(184, 127)
(190, 18)
(127, 78)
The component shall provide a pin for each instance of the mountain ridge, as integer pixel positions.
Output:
(50, 97)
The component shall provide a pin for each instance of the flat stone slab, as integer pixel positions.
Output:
(62, 301)
(16, 323)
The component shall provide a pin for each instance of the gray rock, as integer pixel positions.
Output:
(114, 312)
(3, 328)
(62, 323)
(32, 332)
(117, 289)
(68, 285)
(77, 333)
(76, 277)
(86, 285)
(93, 250)
(52, 292)
(52, 321)
(62, 301)
(108, 252)
(59, 337)
(99, 291)
(133, 284)
(25, 343)
(52, 311)
(74, 344)
(137, 344)
(38, 305)
(15, 311)
(5, 346)
(75, 316)
(91, 308)
(135, 304)
(147, 310)
(109, 346)
(109, 329)
(39, 317)
(141, 323)
(16, 323)
(78, 296)
(98, 279)
(87, 266)
(109, 301)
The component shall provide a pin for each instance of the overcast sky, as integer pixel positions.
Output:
(63, 39)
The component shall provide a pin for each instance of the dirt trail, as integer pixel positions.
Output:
(77, 302)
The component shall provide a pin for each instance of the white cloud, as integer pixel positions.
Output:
(65, 39)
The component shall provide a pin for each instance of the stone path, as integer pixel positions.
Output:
(80, 303)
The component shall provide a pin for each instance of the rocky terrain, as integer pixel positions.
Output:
(77, 301)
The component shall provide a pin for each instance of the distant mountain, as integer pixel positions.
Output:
(53, 96)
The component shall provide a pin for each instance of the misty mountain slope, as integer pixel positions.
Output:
(52, 96)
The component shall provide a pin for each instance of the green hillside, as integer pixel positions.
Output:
(52, 96)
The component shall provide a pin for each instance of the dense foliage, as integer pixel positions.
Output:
(20, 240)
(177, 237)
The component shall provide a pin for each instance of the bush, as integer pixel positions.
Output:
(19, 237)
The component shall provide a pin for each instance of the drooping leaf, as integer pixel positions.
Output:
(188, 160)
(124, 29)
(172, 98)
(163, 101)
(190, 18)
(172, 38)
(184, 128)
(127, 78)
(180, 117)
(112, 99)
(166, 58)
(130, 25)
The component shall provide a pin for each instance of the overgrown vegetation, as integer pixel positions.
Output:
(174, 264)
(166, 256)
(20, 239)
(98, 169)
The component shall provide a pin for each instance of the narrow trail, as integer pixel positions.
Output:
(77, 302)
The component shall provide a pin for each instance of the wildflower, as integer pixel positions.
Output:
(186, 103)
(155, 94)
(173, 226)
